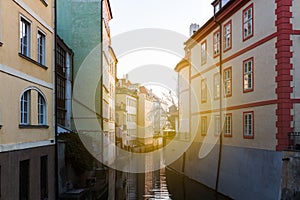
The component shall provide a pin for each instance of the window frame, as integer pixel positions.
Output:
(28, 107)
(229, 115)
(43, 36)
(230, 36)
(26, 21)
(204, 97)
(246, 37)
(216, 41)
(203, 53)
(252, 75)
(217, 130)
(203, 128)
(43, 114)
(248, 136)
(216, 89)
(226, 94)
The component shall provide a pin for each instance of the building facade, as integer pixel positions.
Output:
(126, 112)
(240, 77)
(27, 161)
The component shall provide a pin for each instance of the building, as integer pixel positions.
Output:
(126, 112)
(84, 27)
(240, 79)
(27, 161)
(145, 116)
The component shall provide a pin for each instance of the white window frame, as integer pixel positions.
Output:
(216, 40)
(227, 35)
(228, 125)
(25, 47)
(248, 125)
(41, 47)
(42, 110)
(248, 22)
(248, 75)
(216, 85)
(228, 82)
(217, 125)
(25, 108)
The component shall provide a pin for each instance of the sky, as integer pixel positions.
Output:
(142, 62)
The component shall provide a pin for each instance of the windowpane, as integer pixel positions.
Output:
(248, 124)
(203, 53)
(217, 43)
(24, 37)
(25, 103)
(203, 125)
(248, 21)
(217, 86)
(41, 48)
(227, 82)
(248, 75)
(228, 122)
(41, 110)
(203, 90)
(227, 36)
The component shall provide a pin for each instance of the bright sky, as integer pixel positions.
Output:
(174, 15)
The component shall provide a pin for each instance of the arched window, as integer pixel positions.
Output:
(31, 99)
(25, 107)
(41, 110)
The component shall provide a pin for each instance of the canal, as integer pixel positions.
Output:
(162, 184)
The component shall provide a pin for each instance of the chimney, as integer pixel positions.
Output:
(193, 28)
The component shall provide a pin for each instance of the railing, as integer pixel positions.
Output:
(294, 140)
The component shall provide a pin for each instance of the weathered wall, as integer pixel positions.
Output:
(246, 173)
(290, 184)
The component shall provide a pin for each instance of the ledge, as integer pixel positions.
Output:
(33, 126)
(33, 61)
(44, 2)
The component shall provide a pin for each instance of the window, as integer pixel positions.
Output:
(25, 37)
(203, 125)
(217, 43)
(24, 180)
(44, 177)
(41, 47)
(227, 36)
(248, 22)
(248, 125)
(203, 91)
(217, 125)
(248, 75)
(26, 111)
(227, 82)
(41, 110)
(216, 86)
(0, 182)
(25, 107)
(228, 125)
(203, 53)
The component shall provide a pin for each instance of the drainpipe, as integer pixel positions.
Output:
(220, 111)
(55, 105)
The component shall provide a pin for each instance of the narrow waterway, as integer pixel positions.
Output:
(162, 184)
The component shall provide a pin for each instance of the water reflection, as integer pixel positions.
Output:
(162, 185)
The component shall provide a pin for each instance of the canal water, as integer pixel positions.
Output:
(162, 184)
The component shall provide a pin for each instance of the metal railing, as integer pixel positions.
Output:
(294, 140)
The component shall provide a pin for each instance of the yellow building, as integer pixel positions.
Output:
(26, 99)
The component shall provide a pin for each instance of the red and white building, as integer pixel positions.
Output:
(253, 45)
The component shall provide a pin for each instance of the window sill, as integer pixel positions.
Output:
(33, 61)
(44, 2)
(33, 126)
